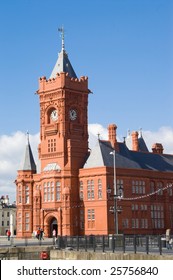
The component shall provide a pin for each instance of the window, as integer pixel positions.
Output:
(58, 191)
(159, 187)
(125, 223)
(99, 189)
(90, 189)
(144, 223)
(26, 221)
(81, 196)
(152, 187)
(91, 214)
(19, 221)
(48, 191)
(51, 145)
(52, 191)
(120, 187)
(138, 187)
(157, 216)
(20, 194)
(170, 190)
(26, 194)
(135, 223)
(143, 207)
(45, 192)
(134, 207)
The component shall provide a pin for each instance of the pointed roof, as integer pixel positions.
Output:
(63, 63)
(28, 162)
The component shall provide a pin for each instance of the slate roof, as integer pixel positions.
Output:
(28, 162)
(63, 65)
(125, 158)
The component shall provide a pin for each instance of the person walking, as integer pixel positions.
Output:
(41, 234)
(8, 234)
(54, 235)
(38, 233)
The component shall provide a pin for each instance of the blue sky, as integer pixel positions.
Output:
(125, 47)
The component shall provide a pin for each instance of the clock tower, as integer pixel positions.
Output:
(63, 144)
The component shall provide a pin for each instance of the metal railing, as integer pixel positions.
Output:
(104, 243)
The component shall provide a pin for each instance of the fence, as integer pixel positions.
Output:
(103, 243)
(114, 243)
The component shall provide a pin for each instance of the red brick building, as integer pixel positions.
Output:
(72, 190)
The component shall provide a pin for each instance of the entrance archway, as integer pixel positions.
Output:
(53, 226)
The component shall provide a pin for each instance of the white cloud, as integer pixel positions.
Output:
(164, 136)
(12, 148)
(96, 130)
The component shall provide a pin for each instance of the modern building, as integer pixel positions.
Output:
(115, 187)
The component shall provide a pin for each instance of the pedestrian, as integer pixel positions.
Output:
(168, 237)
(38, 234)
(170, 243)
(41, 234)
(35, 233)
(54, 235)
(8, 234)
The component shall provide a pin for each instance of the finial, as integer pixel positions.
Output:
(98, 135)
(27, 136)
(61, 29)
(140, 132)
(128, 132)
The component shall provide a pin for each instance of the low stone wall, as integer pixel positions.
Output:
(23, 253)
(78, 255)
(33, 253)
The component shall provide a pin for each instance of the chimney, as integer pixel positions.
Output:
(135, 144)
(112, 135)
(157, 148)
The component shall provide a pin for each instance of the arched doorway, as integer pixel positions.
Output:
(53, 226)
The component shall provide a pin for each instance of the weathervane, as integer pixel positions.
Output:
(61, 29)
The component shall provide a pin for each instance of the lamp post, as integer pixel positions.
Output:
(115, 196)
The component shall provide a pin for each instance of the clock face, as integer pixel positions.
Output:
(73, 114)
(54, 115)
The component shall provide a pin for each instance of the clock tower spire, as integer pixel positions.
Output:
(63, 63)
(62, 37)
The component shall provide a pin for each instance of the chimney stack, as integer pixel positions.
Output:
(157, 148)
(135, 144)
(112, 135)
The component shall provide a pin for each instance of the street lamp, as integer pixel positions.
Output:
(115, 196)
